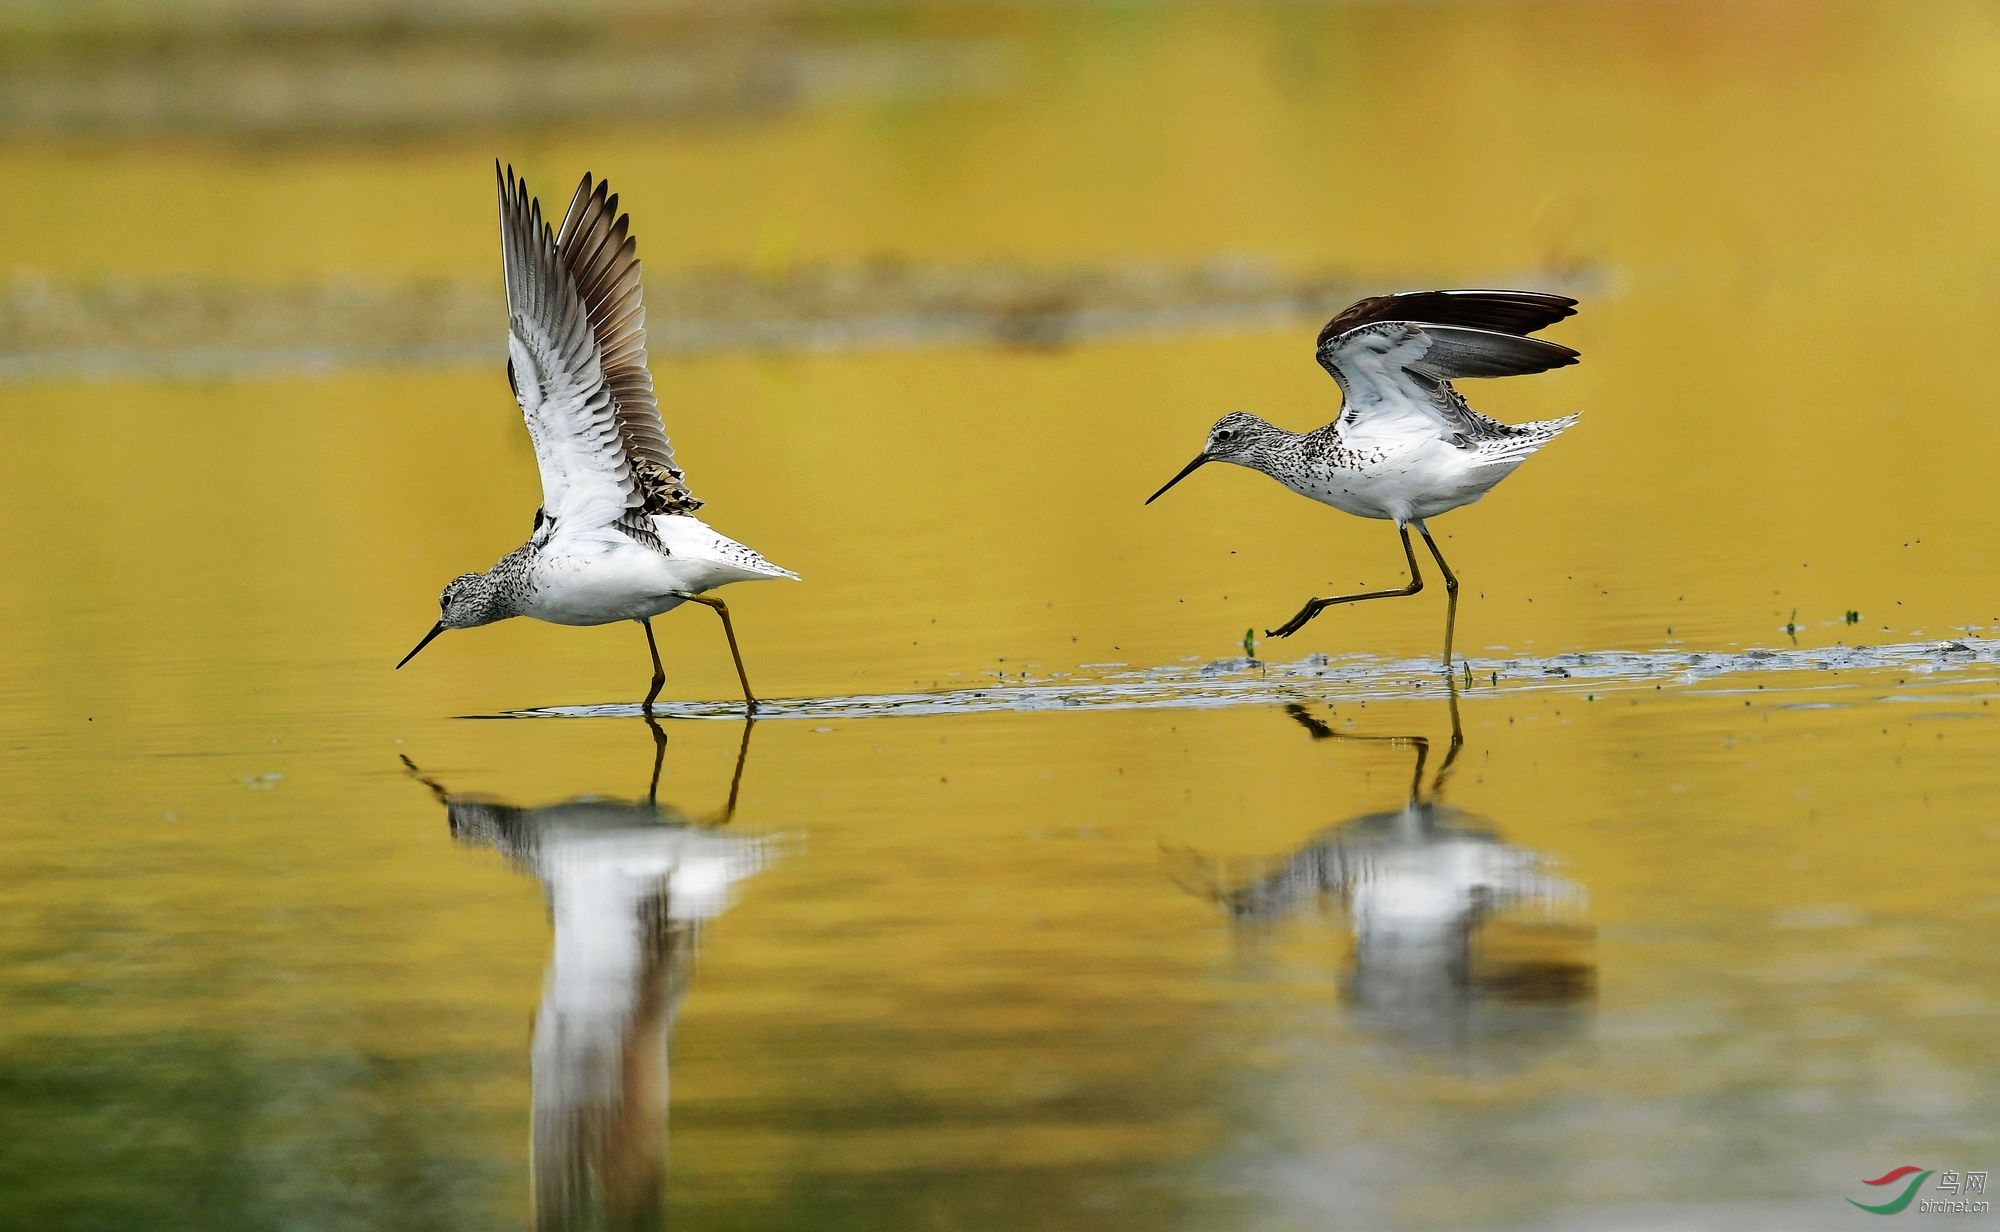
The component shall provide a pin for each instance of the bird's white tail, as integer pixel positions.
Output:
(690, 537)
(1523, 440)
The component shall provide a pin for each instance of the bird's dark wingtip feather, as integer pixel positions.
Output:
(1505, 311)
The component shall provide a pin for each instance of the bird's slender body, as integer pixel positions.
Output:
(616, 537)
(594, 579)
(1406, 446)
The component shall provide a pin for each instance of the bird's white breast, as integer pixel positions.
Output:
(596, 580)
(1399, 480)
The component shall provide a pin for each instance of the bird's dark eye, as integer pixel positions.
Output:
(1225, 434)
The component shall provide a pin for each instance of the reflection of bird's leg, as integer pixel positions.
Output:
(1417, 772)
(735, 780)
(1314, 607)
(1457, 737)
(729, 630)
(1320, 731)
(659, 757)
(1450, 588)
(1304, 718)
(437, 790)
(659, 673)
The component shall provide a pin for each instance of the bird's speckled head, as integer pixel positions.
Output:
(470, 600)
(1238, 437)
(1241, 437)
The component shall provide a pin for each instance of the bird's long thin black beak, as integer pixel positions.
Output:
(435, 630)
(1200, 460)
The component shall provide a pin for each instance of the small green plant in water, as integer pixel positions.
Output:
(1250, 642)
(1792, 624)
(1853, 618)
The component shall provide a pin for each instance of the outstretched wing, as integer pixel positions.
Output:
(1508, 312)
(1397, 355)
(598, 249)
(554, 366)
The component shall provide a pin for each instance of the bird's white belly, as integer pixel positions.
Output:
(595, 584)
(1419, 481)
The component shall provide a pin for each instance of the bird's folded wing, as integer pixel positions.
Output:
(554, 364)
(597, 247)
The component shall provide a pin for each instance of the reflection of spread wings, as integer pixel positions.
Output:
(554, 365)
(1394, 355)
(596, 245)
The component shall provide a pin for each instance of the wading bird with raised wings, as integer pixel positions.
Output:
(616, 537)
(1406, 447)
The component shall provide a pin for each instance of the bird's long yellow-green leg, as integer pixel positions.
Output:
(1314, 607)
(659, 673)
(1450, 589)
(729, 630)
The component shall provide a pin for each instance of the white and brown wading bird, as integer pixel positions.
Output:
(616, 537)
(1406, 447)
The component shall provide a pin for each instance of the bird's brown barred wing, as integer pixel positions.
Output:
(598, 249)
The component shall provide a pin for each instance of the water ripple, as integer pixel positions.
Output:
(1249, 682)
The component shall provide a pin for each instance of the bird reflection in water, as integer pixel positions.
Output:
(1455, 932)
(629, 884)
